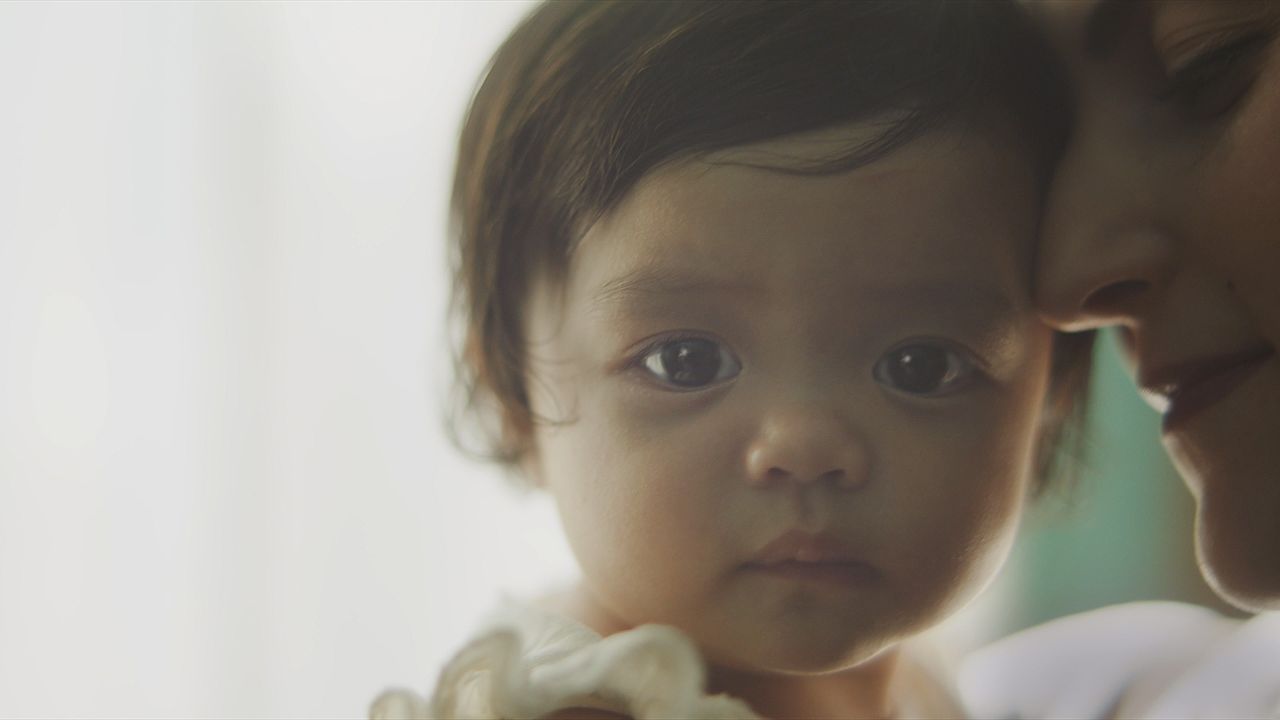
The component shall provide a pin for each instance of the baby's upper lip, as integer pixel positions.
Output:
(1170, 379)
(803, 546)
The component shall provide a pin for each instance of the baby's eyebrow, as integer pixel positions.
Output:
(949, 295)
(952, 294)
(658, 282)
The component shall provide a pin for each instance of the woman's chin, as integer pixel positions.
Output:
(1240, 558)
(1230, 460)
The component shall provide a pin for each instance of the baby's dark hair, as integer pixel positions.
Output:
(586, 97)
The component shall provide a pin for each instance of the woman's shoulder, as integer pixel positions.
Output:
(529, 662)
(1148, 659)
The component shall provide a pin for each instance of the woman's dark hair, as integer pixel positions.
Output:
(586, 97)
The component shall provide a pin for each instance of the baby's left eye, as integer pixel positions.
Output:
(690, 363)
(924, 368)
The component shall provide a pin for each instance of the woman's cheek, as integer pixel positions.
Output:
(1239, 207)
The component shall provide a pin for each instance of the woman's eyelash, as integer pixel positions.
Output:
(1195, 81)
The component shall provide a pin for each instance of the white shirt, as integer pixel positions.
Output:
(1139, 660)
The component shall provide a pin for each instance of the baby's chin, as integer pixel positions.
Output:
(800, 653)
(808, 662)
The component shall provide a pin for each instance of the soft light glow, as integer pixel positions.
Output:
(68, 373)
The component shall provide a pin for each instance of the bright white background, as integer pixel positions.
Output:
(223, 486)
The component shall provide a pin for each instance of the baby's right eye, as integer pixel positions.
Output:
(690, 363)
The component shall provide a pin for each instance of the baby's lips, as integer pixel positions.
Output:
(806, 547)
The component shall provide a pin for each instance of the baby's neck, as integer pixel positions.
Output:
(856, 693)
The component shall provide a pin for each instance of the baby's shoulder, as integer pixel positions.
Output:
(1147, 659)
(527, 662)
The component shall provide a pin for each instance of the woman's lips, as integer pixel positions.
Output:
(1193, 387)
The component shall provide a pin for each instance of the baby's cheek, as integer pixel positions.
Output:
(964, 495)
(640, 511)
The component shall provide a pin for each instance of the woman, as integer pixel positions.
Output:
(1164, 220)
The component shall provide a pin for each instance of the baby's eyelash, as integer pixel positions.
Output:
(684, 362)
(635, 358)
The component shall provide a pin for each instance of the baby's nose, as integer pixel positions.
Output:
(801, 445)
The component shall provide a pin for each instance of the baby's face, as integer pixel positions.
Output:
(795, 416)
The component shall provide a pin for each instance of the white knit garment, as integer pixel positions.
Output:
(528, 663)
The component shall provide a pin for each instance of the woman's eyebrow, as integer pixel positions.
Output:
(1107, 22)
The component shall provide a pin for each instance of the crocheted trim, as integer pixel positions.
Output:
(515, 671)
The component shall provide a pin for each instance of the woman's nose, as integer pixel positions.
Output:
(1103, 252)
(1090, 280)
(807, 445)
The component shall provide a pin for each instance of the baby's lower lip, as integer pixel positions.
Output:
(845, 574)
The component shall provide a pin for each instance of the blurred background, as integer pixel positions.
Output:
(224, 486)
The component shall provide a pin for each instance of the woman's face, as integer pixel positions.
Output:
(1165, 220)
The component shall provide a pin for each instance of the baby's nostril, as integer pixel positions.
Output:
(1114, 296)
(776, 475)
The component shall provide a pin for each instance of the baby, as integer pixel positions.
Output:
(746, 288)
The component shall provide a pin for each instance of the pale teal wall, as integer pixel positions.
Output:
(1124, 533)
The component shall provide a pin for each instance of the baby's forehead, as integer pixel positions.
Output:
(808, 149)
(948, 175)
(814, 161)
(943, 207)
